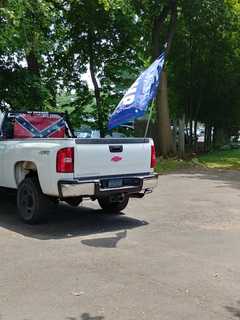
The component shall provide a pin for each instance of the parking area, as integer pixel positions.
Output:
(173, 255)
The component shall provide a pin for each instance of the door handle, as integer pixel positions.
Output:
(116, 149)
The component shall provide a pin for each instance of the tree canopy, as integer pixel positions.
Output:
(47, 46)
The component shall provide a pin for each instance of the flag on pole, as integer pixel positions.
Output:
(136, 100)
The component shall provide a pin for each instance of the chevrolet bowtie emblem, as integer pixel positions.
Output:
(116, 158)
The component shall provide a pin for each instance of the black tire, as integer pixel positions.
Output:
(31, 202)
(113, 207)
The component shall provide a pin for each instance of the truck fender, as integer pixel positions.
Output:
(24, 168)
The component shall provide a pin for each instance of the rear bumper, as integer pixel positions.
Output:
(93, 187)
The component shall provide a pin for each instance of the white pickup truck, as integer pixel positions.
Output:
(46, 167)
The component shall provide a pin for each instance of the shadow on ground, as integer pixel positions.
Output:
(106, 242)
(235, 311)
(67, 222)
(86, 316)
(230, 178)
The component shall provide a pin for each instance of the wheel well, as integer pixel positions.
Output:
(23, 169)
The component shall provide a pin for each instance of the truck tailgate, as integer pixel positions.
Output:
(103, 157)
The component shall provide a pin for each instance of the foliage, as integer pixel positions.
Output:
(169, 165)
(102, 40)
(229, 159)
(47, 45)
(26, 40)
(205, 61)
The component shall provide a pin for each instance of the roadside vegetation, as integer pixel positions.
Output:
(82, 56)
(173, 164)
(227, 159)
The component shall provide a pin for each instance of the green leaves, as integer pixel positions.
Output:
(47, 46)
(204, 63)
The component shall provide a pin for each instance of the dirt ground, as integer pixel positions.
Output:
(174, 255)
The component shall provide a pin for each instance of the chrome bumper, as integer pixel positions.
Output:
(93, 188)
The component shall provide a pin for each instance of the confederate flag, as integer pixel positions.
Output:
(39, 126)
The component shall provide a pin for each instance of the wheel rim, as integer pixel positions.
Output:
(26, 199)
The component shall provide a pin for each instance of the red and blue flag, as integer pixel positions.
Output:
(39, 126)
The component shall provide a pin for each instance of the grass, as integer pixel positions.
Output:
(229, 159)
(172, 164)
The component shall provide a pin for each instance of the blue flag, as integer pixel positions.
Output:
(136, 100)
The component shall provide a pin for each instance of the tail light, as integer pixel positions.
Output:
(65, 160)
(153, 156)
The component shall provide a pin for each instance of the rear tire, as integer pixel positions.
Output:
(31, 202)
(113, 207)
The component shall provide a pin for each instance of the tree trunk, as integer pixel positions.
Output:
(208, 137)
(163, 120)
(220, 137)
(164, 136)
(98, 100)
(195, 137)
(34, 69)
(156, 32)
(205, 138)
(32, 63)
(191, 134)
(97, 93)
(53, 90)
(174, 137)
(3, 3)
(181, 138)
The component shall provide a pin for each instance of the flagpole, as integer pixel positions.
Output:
(149, 119)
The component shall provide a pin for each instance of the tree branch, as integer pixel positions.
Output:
(92, 68)
(172, 26)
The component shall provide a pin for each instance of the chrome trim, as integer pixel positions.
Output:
(78, 189)
(111, 140)
(119, 189)
(150, 183)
